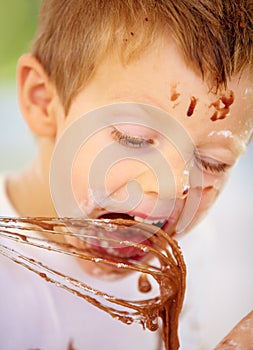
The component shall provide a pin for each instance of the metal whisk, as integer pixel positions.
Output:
(100, 242)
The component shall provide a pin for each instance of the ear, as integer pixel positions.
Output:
(36, 97)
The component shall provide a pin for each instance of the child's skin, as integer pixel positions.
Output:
(154, 78)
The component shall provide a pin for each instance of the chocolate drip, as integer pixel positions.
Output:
(143, 284)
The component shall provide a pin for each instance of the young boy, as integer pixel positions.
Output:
(143, 81)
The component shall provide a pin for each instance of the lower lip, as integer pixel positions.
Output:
(118, 248)
(110, 244)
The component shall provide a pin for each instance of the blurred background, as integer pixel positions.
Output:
(18, 20)
(219, 252)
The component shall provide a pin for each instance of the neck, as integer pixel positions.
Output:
(29, 191)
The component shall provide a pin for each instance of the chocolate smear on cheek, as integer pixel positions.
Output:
(192, 106)
(222, 111)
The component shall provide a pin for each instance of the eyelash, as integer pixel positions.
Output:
(138, 142)
(131, 141)
(211, 167)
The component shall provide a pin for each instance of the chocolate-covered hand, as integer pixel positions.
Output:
(241, 336)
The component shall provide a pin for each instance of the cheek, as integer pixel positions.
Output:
(208, 196)
(197, 205)
(95, 178)
(80, 182)
(85, 172)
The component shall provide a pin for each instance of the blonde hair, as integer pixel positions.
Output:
(215, 36)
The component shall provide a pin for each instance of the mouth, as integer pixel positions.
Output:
(130, 239)
(156, 222)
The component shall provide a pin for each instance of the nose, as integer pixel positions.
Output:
(166, 175)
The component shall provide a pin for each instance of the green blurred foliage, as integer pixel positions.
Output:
(18, 21)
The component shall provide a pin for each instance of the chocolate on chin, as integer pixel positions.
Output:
(125, 246)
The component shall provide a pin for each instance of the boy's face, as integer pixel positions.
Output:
(214, 130)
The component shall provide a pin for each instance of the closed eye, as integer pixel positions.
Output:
(131, 141)
(211, 165)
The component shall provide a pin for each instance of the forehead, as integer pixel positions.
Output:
(160, 76)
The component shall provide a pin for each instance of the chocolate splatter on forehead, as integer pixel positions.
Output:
(174, 94)
(222, 106)
(192, 106)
